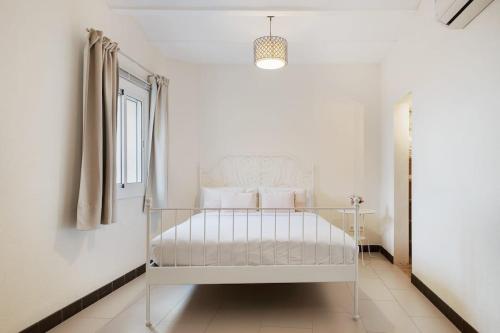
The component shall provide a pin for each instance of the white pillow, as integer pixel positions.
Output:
(278, 199)
(299, 193)
(211, 196)
(239, 200)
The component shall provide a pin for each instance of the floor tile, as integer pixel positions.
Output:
(229, 321)
(388, 303)
(394, 278)
(288, 317)
(373, 289)
(335, 297)
(379, 264)
(131, 320)
(385, 316)
(79, 324)
(416, 304)
(375, 256)
(337, 323)
(434, 325)
(117, 301)
(198, 308)
(366, 271)
(175, 327)
(291, 294)
(271, 329)
(406, 270)
(163, 301)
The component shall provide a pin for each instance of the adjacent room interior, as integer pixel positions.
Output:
(252, 166)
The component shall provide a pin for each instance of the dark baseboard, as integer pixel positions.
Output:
(454, 317)
(386, 254)
(377, 248)
(369, 248)
(59, 316)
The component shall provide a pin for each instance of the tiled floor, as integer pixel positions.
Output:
(388, 303)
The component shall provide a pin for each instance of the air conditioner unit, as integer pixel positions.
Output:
(457, 14)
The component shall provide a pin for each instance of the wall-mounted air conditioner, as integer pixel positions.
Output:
(458, 13)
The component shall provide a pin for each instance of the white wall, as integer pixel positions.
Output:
(454, 77)
(45, 263)
(183, 133)
(322, 114)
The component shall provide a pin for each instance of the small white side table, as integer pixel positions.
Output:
(361, 238)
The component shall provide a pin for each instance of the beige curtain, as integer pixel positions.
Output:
(156, 181)
(100, 92)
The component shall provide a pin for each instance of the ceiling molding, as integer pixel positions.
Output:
(290, 41)
(279, 12)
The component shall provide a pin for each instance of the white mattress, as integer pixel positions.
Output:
(308, 247)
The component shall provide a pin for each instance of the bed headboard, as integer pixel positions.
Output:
(259, 170)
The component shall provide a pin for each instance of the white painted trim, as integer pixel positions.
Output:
(250, 274)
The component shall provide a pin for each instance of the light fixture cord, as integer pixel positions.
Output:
(270, 25)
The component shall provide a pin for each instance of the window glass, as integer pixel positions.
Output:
(134, 140)
(119, 142)
(140, 141)
(131, 125)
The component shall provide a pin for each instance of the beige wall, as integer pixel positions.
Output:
(326, 115)
(45, 263)
(454, 78)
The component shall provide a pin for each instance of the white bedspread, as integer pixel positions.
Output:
(329, 245)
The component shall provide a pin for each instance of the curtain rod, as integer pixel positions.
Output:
(123, 73)
(132, 60)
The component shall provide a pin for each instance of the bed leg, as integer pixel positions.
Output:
(148, 305)
(355, 312)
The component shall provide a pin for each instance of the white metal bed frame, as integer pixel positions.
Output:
(252, 171)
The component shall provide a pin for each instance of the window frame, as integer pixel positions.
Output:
(128, 90)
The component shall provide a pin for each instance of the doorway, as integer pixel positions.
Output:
(403, 158)
(410, 171)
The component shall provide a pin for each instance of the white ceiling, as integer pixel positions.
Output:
(318, 31)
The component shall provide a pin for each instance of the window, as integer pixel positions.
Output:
(131, 137)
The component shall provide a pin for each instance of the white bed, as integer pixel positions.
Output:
(258, 245)
(200, 243)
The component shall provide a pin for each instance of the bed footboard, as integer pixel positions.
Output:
(229, 246)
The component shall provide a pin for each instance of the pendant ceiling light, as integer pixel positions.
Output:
(270, 52)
